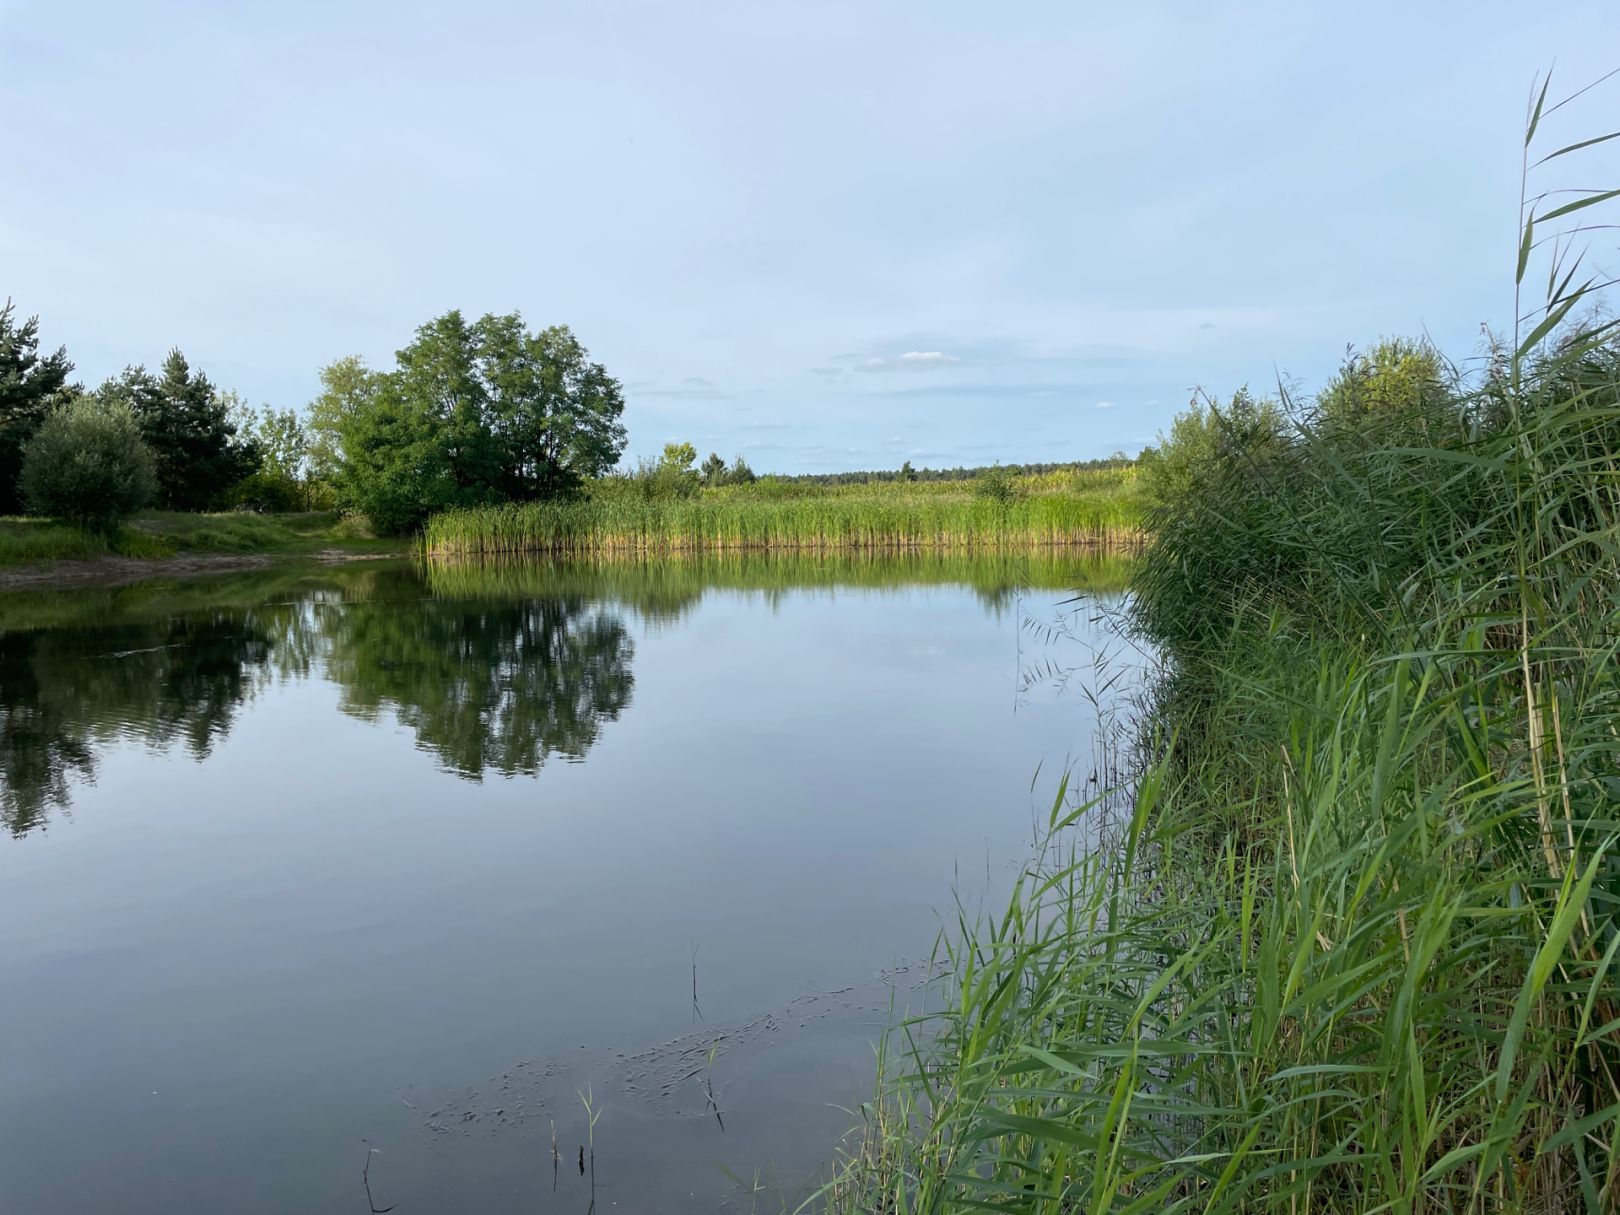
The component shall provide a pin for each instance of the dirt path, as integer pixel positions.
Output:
(120, 571)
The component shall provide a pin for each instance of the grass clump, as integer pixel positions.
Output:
(1350, 943)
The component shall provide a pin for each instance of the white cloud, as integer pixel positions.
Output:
(1105, 405)
(911, 360)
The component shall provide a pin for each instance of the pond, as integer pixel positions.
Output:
(306, 863)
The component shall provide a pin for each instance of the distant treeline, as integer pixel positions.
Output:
(958, 473)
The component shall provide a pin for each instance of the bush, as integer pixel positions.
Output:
(672, 478)
(998, 484)
(88, 464)
(266, 492)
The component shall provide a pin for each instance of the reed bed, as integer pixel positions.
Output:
(1352, 944)
(736, 521)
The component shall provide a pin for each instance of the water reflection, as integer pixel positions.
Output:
(665, 590)
(488, 684)
(495, 668)
(63, 693)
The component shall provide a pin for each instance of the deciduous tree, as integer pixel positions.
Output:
(87, 463)
(472, 413)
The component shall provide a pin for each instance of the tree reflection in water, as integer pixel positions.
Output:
(66, 693)
(488, 685)
(496, 667)
(494, 683)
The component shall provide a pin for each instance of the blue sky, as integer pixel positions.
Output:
(824, 235)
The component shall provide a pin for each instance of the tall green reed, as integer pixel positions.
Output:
(1353, 945)
(738, 519)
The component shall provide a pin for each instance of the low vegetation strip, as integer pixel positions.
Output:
(889, 521)
(1351, 944)
(159, 534)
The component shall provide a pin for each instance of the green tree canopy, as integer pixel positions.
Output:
(347, 387)
(673, 476)
(472, 413)
(555, 416)
(31, 386)
(397, 467)
(678, 457)
(187, 423)
(281, 440)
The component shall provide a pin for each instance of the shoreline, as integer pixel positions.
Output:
(1118, 540)
(79, 573)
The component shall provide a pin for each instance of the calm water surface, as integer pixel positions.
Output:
(301, 864)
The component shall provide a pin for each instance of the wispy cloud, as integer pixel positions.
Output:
(1105, 405)
(911, 360)
(692, 388)
(766, 425)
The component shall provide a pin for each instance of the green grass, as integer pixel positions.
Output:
(244, 532)
(169, 533)
(1349, 940)
(774, 516)
(25, 541)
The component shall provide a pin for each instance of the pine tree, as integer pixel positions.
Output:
(30, 388)
(188, 426)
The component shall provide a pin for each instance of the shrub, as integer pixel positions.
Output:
(672, 478)
(266, 491)
(998, 484)
(88, 464)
